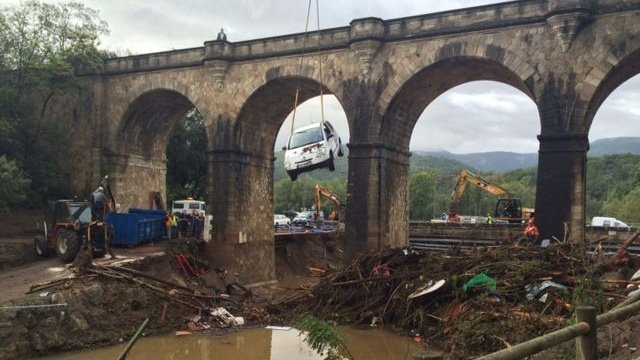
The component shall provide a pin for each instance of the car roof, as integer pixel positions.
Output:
(310, 126)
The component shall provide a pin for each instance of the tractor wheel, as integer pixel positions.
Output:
(41, 246)
(67, 245)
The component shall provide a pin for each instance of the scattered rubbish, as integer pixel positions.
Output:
(31, 306)
(381, 270)
(280, 328)
(427, 288)
(480, 281)
(190, 266)
(44, 294)
(183, 333)
(534, 290)
(224, 317)
(374, 321)
(317, 271)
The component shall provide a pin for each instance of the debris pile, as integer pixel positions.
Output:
(467, 304)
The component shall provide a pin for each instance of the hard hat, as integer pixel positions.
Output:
(100, 188)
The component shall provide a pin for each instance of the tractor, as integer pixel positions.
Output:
(72, 225)
(69, 228)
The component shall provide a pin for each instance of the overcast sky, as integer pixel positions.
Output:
(474, 117)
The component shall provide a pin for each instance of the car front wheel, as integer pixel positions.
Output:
(332, 166)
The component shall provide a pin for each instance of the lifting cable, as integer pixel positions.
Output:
(304, 47)
(320, 66)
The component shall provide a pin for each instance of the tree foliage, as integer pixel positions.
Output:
(186, 158)
(14, 184)
(300, 195)
(42, 47)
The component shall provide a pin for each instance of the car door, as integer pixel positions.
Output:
(332, 138)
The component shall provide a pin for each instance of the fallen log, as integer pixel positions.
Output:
(623, 248)
(148, 276)
(46, 285)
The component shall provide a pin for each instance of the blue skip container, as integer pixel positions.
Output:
(137, 227)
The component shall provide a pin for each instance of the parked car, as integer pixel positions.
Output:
(279, 219)
(290, 214)
(306, 218)
(608, 222)
(312, 147)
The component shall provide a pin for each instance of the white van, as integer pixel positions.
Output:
(608, 222)
(189, 206)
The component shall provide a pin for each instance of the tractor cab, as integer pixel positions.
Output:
(69, 211)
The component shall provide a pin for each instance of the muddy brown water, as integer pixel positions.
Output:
(253, 344)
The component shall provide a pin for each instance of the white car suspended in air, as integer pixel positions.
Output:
(311, 147)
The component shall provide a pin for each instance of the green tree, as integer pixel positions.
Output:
(186, 158)
(422, 195)
(625, 208)
(42, 48)
(14, 184)
(300, 194)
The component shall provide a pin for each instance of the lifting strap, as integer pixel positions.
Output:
(304, 47)
(320, 66)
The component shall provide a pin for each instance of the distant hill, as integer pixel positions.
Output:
(496, 161)
(501, 161)
(612, 146)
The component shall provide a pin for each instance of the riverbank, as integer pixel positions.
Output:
(84, 305)
(463, 303)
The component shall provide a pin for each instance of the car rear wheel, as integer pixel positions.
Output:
(67, 245)
(293, 175)
(340, 152)
(41, 246)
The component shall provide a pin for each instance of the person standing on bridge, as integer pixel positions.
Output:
(222, 36)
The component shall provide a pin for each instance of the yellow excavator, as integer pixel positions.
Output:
(507, 208)
(320, 192)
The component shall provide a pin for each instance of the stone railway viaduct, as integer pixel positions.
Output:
(566, 55)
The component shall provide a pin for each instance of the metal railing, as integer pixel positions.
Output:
(584, 331)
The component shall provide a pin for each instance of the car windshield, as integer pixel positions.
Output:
(305, 137)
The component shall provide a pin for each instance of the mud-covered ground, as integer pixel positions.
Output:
(102, 307)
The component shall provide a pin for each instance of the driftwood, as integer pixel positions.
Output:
(42, 286)
(623, 248)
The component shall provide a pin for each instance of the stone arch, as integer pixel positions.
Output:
(622, 63)
(267, 106)
(148, 120)
(454, 64)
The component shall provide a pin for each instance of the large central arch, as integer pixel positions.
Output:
(412, 96)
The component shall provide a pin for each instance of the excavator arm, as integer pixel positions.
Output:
(320, 192)
(467, 177)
